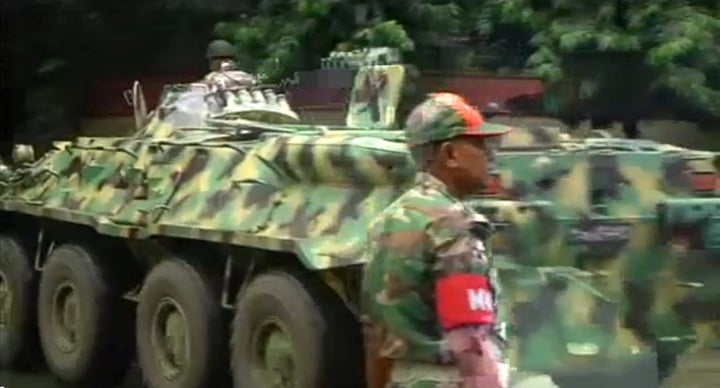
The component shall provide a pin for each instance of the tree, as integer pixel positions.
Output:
(289, 35)
(609, 56)
(52, 49)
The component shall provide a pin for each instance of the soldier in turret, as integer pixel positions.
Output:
(223, 69)
(220, 53)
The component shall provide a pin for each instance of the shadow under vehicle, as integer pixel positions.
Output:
(223, 206)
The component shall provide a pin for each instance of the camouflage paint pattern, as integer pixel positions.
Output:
(375, 97)
(617, 211)
(608, 248)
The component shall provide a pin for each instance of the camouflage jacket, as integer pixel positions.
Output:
(424, 235)
(230, 78)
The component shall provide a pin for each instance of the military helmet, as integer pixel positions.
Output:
(443, 116)
(220, 48)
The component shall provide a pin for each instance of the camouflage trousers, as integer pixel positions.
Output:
(407, 374)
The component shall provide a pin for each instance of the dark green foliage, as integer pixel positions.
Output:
(607, 57)
(643, 46)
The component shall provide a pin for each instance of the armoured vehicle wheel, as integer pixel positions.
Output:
(83, 328)
(18, 326)
(180, 335)
(284, 336)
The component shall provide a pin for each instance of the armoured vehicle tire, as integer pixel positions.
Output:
(75, 278)
(176, 289)
(324, 342)
(18, 339)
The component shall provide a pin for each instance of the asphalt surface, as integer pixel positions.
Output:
(700, 370)
(45, 380)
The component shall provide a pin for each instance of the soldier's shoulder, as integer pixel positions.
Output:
(417, 208)
(425, 194)
(431, 204)
(210, 76)
(399, 230)
(402, 214)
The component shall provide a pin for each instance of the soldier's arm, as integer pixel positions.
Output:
(462, 285)
(464, 302)
(403, 248)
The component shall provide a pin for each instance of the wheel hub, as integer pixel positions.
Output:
(170, 339)
(273, 361)
(65, 315)
(5, 302)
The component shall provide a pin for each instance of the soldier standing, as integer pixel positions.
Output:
(429, 292)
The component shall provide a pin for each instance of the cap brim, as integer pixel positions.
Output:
(490, 129)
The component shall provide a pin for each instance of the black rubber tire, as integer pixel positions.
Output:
(326, 340)
(188, 287)
(19, 345)
(103, 354)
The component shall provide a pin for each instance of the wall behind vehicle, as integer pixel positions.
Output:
(107, 113)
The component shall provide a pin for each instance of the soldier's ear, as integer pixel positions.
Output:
(448, 154)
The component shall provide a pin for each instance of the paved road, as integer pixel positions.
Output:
(697, 371)
(44, 380)
(701, 370)
(16, 380)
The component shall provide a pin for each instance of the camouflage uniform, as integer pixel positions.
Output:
(227, 77)
(425, 235)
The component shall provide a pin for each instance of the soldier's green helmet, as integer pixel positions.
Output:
(220, 48)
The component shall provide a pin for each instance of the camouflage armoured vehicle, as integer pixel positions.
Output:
(224, 206)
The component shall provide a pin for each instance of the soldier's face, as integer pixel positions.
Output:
(470, 158)
(217, 61)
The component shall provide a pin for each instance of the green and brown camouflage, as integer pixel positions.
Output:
(432, 121)
(374, 99)
(425, 231)
(607, 248)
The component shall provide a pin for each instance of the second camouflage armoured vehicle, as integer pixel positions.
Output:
(223, 207)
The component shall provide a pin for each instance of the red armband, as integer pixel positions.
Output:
(464, 299)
